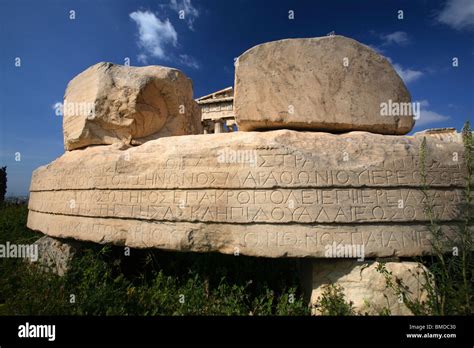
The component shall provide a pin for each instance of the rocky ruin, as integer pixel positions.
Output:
(315, 171)
(330, 84)
(108, 104)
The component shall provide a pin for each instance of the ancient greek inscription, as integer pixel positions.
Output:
(248, 206)
(263, 240)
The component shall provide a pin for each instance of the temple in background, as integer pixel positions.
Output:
(218, 111)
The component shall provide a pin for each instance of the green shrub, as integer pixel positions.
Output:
(103, 281)
(332, 302)
(3, 183)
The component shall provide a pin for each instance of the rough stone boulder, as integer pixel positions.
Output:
(330, 83)
(367, 288)
(56, 255)
(275, 194)
(110, 103)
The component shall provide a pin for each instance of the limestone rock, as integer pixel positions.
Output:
(366, 287)
(55, 255)
(445, 134)
(110, 103)
(276, 194)
(331, 83)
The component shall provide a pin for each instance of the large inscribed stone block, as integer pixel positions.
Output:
(276, 194)
(331, 83)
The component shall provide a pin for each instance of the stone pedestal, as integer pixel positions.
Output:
(55, 255)
(362, 284)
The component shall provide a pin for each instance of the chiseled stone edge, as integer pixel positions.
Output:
(101, 167)
(265, 240)
(381, 208)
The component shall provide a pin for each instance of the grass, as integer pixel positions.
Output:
(103, 281)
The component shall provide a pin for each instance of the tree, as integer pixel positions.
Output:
(3, 183)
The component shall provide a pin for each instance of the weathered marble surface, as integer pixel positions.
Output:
(330, 83)
(109, 103)
(276, 194)
(366, 287)
(56, 255)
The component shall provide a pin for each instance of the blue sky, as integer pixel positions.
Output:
(53, 48)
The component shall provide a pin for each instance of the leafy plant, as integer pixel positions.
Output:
(332, 302)
(3, 183)
(101, 280)
(450, 277)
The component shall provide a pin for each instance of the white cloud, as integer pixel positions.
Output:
(428, 116)
(188, 61)
(408, 75)
(185, 9)
(458, 14)
(155, 35)
(158, 38)
(142, 58)
(397, 37)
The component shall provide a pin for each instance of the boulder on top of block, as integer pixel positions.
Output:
(331, 84)
(109, 103)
